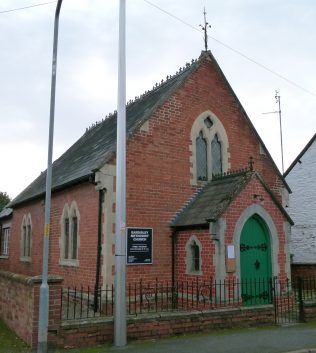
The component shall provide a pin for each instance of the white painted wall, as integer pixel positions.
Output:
(302, 208)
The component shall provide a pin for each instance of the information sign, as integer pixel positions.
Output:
(139, 246)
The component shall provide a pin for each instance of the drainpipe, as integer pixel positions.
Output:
(1, 237)
(99, 249)
(173, 259)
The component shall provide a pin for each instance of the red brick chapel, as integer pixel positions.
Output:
(198, 176)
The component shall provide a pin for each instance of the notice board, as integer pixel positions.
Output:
(139, 247)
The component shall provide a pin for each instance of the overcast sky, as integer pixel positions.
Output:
(279, 35)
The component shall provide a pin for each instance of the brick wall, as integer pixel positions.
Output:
(231, 216)
(303, 271)
(158, 161)
(13, 263)
(309, 311)
(158, 181)
(16, 304)
(19, 304)
(86, 198)
(19, 300)
(246, 199)
(207, 252)
(164, 325)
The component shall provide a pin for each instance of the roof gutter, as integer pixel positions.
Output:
(74, 182)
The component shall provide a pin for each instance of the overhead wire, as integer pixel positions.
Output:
(232, 49)
(196, 29)
(264, 67)
(28, 7)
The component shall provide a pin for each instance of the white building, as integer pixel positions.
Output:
(301, 177)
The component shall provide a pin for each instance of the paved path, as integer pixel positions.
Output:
(297, 338)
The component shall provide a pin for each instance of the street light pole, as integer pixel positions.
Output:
(120, 218)
(44, 290)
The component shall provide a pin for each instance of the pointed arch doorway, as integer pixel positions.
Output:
(255, 262)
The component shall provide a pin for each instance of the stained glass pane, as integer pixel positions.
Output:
(74, 237)
(24, 240)
(28, 241)
(201, 157)
(66, 243)
(216, 156)
(195, 254)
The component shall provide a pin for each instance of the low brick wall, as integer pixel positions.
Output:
(19, 304)
(75, 334)
(16, 304)
(303, 271)
(85, 333)
(309, 310)
(19, 307)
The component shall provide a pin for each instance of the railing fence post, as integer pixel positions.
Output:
(274, 298)
(300, 299)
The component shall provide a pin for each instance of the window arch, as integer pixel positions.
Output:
(193, 256)
(209, 148)
(26, 238)
(69, 241)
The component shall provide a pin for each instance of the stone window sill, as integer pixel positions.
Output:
(194, 273)
(26, 259)
(69, 263)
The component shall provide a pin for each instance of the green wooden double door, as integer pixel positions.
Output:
(255, 262)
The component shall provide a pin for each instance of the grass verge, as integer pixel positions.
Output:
(10, 342)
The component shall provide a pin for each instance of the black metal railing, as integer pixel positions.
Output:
(83, 303)
(307, 286)
(289, 298)
(285, 300)
(158, 296)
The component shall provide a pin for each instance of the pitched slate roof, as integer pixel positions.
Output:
(310, 142)
(210, 203)
(6, 212)
(98, 145)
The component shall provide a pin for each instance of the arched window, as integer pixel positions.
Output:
(66, 237)
(74, 235)
(193, 256)
(201, 157)
(216, 156)
(69, 235)
(209, 148)
(26, 238)
(5, 230)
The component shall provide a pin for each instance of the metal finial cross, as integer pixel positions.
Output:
(204, 28)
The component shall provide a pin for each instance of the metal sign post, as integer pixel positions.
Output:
(44, 290)
(120, 220)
